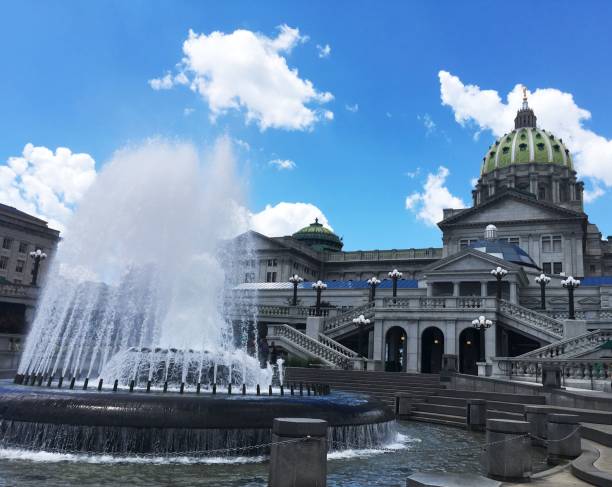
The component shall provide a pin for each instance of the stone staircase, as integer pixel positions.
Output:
(574, 347)
(328, 351)
(531, 322)
(341, 324)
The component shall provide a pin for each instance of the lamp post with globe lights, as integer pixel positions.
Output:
(295, 280)
(38, 256)
(570, 284)
(543, 281)
(318, 287)
(395, 275)
(499, 273)
(373, 282)
(361, 322)
(481, 324)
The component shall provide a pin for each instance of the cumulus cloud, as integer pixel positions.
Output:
(352, 108)
(556, 111)
(324, 51)
(428, 123)
(286, 218)
(428, 205)
(248, 71)
(282, 164)
(46, 184)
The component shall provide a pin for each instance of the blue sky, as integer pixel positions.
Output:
(75, 75)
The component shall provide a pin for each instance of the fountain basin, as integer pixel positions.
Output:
(163, 423)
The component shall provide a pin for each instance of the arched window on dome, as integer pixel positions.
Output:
(505, 150)
(523, 146)
(557, 147)
(540, 145)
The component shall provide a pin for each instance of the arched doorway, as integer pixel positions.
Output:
(395, 350)
(432, 349)
(469, 351)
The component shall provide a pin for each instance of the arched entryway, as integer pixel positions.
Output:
(395, 349)
(432, 349)
(469, 351)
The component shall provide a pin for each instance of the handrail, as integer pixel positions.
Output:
(532, 318)
(576, 344)
(571, 368)
(347, 317)
(331, 343)
(308, 344)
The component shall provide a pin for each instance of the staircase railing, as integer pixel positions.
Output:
(571, 347)
(338, 347)
(580, 369)
(347, 318)
(300, 340)
(532, 318)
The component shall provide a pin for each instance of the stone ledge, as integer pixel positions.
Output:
(583, 467)
(447, 479)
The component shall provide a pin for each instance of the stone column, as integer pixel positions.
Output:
(300, 463)
(508, 455)
(513, 293)
(573, 328)
(314, 325)
(412, 347)
(476, 414)
(537, 418)
(490, 342)
(455, 289)
(483, 289)
(563, 437)
(378, 343)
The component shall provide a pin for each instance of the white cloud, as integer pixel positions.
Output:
(248, 71)
(429, 204)
(413, 174)
(556, 111)
(591, 195)
(46, 184)
(324, 51)
(243, 144)
(428, 123)
(352, 108)
(282, 164)
(188, 111)
(286, 218)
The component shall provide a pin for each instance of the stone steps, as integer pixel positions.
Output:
(599, 433)
(438, 418)
(440, 409)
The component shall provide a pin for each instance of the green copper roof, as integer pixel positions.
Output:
(319, 237)
(526, 145)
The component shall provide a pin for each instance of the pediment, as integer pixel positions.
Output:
(469, 260)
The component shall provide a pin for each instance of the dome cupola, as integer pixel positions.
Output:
(319, 238)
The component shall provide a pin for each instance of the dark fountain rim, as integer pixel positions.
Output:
(139, 409)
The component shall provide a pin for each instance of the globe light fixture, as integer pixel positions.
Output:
(318, 287)
(295, 280)
(395, 275)
(38, 256)
(373, 282)
(543, 281)
(361, 322)
(481, 324)
(499, 273)
(570, 284)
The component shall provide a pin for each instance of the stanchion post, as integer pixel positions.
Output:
(508, 450)
(563, 437)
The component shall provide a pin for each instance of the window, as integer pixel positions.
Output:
(20, 265)
(14, 344)
(464, 243)
(270, 276)
(523, 146)
(552, 243)
(540, 146)
(3, 262)
(557, 267)
(249, 277)
(552, 267)
(542, 192)
(7, 243)
(272, 262)
(556, 241)
(546, 268)
(511, 240)
(23, 248)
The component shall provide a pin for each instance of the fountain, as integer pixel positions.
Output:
(131, 350)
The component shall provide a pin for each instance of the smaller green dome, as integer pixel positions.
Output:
(319, 238)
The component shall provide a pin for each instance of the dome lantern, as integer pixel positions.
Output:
(319, 238)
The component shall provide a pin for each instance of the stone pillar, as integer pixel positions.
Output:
(513, 293)
(455, 289)
(403, 404)
(573, 328)
(551, 376)
(563, 437)
(537, 418)
(412, 347)
(314, 325)
(429, 290)
(476, 414)
(508, 458)
(299, 463)
(483, 289)
(378, 343)
(489, 343)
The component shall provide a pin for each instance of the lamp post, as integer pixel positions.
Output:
(37, 255)
(481, 324)
(318, 286)
(395, 275)
(499, 273)
(542, 280)
(373, 282)
(361, 321)
(570, 284)
(295, 280)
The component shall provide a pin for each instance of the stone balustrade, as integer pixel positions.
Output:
(420, 302)
(531, 318)
(531, 368)
(572, 346)
(338, 347)
(589, 315)
(332, 356)
(280, 311)
(19, 291)
(378, 255)
(347, 318)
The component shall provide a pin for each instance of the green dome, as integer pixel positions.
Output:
(526, 145)
(319, 238)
